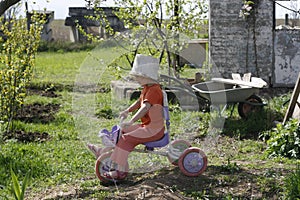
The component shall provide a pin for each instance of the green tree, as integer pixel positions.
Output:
(156, 26)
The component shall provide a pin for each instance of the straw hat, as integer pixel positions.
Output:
(146, 66)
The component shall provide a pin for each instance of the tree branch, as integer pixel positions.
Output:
(6, 4)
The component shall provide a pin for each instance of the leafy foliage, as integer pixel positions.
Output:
(158, 26)
(16, 64)
(284, 140)
(246, 9)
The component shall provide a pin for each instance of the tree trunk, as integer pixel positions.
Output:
(6, 4)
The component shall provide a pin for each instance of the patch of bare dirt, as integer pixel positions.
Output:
(215, 183)
(26, 137)
(33, 113)
(37, 113)
(45, 92)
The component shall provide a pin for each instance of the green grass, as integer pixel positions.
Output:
(63, 160)
(57, 68)
(52, 162)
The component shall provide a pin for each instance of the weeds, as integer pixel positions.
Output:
(284, 140)
(292, 185)
(17, 190)
(231, 167)
(248, 129)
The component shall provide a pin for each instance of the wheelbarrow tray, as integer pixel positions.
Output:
(223, 93)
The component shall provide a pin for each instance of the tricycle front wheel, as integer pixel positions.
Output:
(103, 164)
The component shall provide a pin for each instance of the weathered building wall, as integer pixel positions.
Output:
(287, 57)
(238, 45)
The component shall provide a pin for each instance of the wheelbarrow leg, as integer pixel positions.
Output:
(218, 109)
(223, 110)
(232, 109)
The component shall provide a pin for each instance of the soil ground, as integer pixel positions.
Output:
(172, 184)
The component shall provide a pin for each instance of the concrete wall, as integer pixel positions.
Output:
(238, 45)
(287, 57)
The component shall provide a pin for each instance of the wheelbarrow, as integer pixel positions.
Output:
(220, 91)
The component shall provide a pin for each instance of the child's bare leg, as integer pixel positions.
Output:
(95, 149)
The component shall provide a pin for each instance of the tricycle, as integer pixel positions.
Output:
(191, 161)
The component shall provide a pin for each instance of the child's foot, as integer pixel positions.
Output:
(96, 150)
(115, 174)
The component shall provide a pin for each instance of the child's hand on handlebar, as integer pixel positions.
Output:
(126, 124)
(124, 114)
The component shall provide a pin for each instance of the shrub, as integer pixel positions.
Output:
(16, 63)
(61, 46)
(284, 140)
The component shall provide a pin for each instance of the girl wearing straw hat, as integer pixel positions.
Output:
(148, 110)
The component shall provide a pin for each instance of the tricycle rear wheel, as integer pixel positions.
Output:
(192, 162)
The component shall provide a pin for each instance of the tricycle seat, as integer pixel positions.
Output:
(164, 141)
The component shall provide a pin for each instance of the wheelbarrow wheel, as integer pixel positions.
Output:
(192, 162)
(102, 165)
(244, 108)
(176, 148)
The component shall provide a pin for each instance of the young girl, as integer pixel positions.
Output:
(149, 110)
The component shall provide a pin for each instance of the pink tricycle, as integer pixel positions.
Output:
(192, 161)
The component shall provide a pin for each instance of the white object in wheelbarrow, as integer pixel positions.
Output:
(255, 82)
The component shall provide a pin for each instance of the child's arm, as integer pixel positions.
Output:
(139, 114)
(131, 108)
